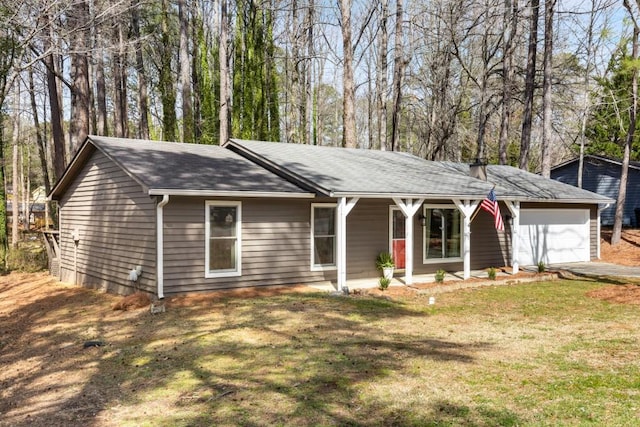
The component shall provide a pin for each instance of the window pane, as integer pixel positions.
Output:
(434, 228)
(222, 254)
(324, 221)
(324, 250)
(453, 234)
(442, 234)
(398, 224)
(223, 221)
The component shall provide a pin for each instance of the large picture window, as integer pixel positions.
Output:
(442, 234)
(223, 239)
(323, 236)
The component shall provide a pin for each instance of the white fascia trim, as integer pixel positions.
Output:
(257, 194)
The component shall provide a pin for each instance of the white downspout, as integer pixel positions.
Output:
(160, 245)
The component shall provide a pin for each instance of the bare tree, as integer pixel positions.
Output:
(549, 12)
(348, 83)
(224, 73)
(530, 84)
(510, 27)
(79, 20)
(185, 73)
(398, 71)
(382, 69)
(633, 111)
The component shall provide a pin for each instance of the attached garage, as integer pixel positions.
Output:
(554, 236)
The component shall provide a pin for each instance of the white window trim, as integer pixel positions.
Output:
(426, 260)
(316, 267)
(208, 273)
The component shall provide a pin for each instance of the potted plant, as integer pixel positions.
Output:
(385, 263)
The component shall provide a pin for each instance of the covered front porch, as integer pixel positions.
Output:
(353, 226)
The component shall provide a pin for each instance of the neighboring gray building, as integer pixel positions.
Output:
(250, 213)
(601, 175)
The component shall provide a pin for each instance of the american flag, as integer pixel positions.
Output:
(490, 204)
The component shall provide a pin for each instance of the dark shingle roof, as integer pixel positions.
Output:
(176, 168)
(516, 184)
(292, 170)
(343, 171)
(339, 171)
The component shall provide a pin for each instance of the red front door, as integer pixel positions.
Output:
(397, 237)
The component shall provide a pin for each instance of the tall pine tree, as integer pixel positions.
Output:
(254, 113)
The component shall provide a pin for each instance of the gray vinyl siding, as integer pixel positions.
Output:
(116, 224)
(593, 220)
(604, 178)
(276, 245)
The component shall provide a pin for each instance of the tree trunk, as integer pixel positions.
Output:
(224, 73)
(40, 141)
(587, 92)
(102, 120)
(80, 90)
(166, 88)
(382, 75)
(121, 116)
(15, 200)
(398, 71)
(547, 87)
(308, 86)
(348, 100)
(185, 73)
(510, 23)
(529, 89)
(143, 98)
(51, 64)
(633, 110)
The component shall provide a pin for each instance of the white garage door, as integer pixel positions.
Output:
(553, 236)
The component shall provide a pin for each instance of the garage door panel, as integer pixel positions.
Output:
(554, 236)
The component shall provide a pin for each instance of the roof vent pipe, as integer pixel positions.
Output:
(478, 169)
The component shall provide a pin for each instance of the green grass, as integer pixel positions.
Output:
(537, 354)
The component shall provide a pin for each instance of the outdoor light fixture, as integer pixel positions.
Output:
(422, 219)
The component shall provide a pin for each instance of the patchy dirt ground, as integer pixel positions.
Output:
(626, 252)
(43, 356)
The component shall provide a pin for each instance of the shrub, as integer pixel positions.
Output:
(440, 275)
(385, 260)
(492, 273)
(541, 267)
(27, 258)
(383, 283)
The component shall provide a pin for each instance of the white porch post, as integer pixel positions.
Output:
(344, 207)
(409, 209)
(514, 208)
(466, 208)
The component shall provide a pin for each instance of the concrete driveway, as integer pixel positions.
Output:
(595, 269)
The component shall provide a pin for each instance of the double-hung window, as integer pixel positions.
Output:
(442, 234)
(323, 236)
(223, 239)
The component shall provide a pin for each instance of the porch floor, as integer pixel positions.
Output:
(372, 282)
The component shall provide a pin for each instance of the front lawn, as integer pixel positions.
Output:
(536, 354)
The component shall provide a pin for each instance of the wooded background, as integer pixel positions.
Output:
(515, 82)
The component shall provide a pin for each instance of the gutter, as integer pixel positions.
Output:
(160, 246)
(205, 193)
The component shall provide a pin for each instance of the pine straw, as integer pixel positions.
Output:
(133, 301)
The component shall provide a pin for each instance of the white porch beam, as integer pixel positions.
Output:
(514, 209)
(344, 208)
(409, 207)
(466, 208)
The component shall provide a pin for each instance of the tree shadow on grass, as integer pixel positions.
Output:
(293, 358)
